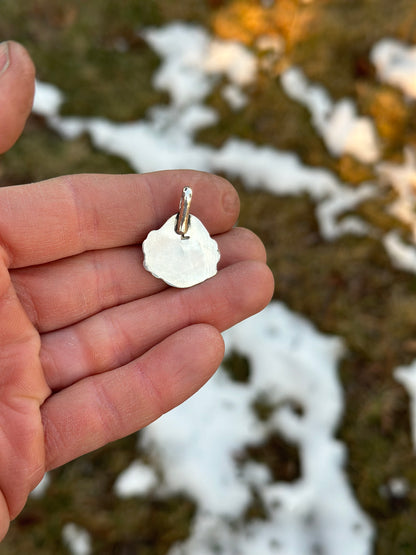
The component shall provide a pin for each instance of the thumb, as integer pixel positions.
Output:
(17, 85)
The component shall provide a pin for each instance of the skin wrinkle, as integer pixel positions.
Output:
(108, 288)
(6, 251)
(109, 415)
(9, 304)
(48, 361)
(75, 200)
(29, 465)
(118, 338)
(5, 282)
(16, 356)
(154, 205)
(54, 370)
(54, 442)
(26, 299)
(99, 280)
(151, 390)
(89, 356)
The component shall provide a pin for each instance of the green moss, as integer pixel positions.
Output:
(79, 46)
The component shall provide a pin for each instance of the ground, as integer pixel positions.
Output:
(347, 287)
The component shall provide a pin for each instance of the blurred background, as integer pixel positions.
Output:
(307, 106)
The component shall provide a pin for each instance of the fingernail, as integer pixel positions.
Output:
(231, 202)
(4, 57)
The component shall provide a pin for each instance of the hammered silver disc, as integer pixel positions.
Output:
(181, 261)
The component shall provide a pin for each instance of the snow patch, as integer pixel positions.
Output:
(282, 173)
(198, 446)
(235, 97)
(137, 479)
(76, 539)
(48, 99)
(396, 488)
(193, 61)
(402, 255)
(395, 63)
(402, 177)
(42, 487)
(406, 375)
(343, 131)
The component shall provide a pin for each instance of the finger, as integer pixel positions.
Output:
(108, 406)
(65, 216)
(17, 86)
(120, 334)
(23, 389)
(58, 294)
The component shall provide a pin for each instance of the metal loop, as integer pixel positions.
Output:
(182, 221)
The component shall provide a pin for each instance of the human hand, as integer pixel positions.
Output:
(92, 346)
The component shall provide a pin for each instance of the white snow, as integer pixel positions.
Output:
(77, 540)
(271, 48)
(42, 487)
(402, 178)
(193, 61)
(399, 487)
(396, 487)
(395, 63)
(343, 131)
(181, 74)
(406, 375)
(198, 444)
(235, 97)
(137, 479)
(272, 43)
(231, 59)
(402, 255)
(48, 99)
(255, 474)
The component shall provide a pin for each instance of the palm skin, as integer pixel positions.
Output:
(93, 347)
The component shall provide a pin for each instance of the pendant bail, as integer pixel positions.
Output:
(182, 223)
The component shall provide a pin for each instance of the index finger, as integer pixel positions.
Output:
(61, 217)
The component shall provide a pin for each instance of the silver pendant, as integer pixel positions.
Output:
(181, 252)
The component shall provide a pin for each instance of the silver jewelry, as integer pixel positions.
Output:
(181, 252)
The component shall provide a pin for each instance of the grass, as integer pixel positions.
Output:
(347, 287)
